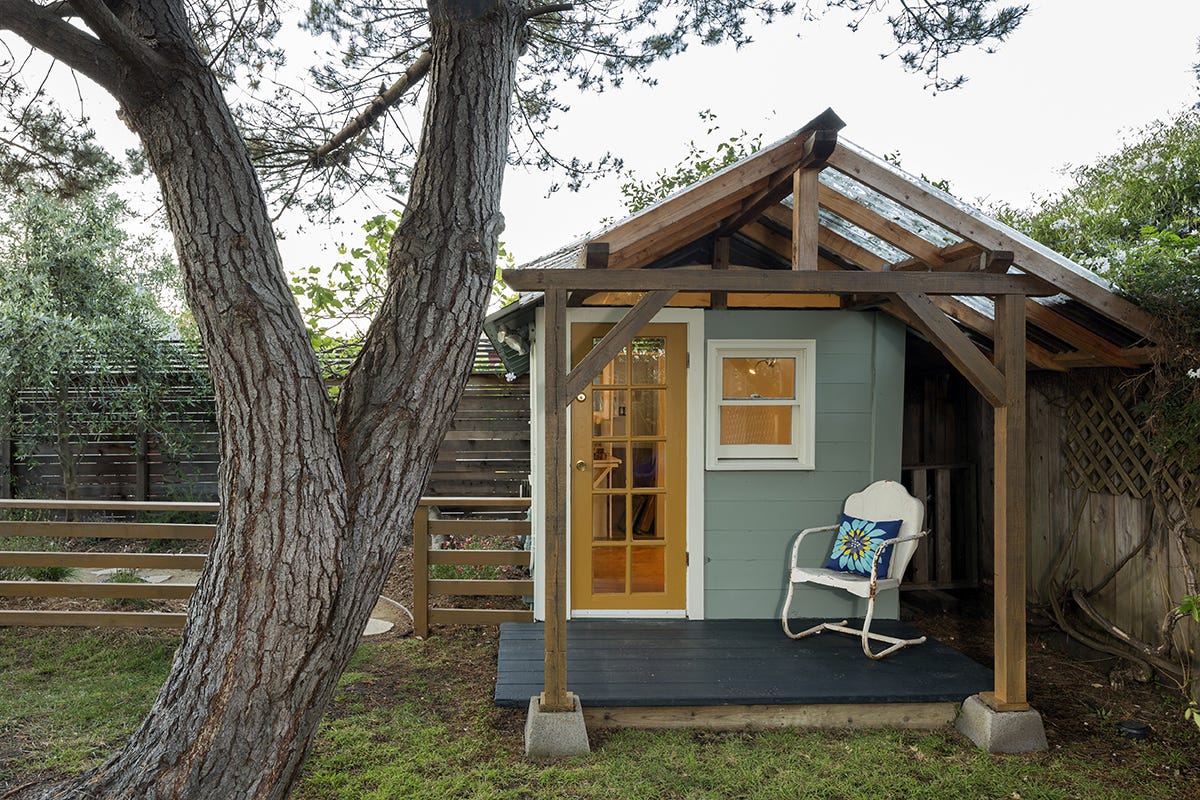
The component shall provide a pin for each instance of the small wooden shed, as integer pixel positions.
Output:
(725, 367)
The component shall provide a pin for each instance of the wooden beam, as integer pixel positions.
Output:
(1037, 355)
(1010, 513)
(617, 338)
(984, 261)
(805, 223)
(555, 696)
(955, 346)
(596, 255)
(890, 231)
(816, 152)
(713, 199)
(991, 236)
(720, 300)
(774, 281)
(1076, 335)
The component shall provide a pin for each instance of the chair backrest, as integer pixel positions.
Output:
(884, 500)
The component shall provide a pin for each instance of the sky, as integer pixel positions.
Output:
(1076, 77)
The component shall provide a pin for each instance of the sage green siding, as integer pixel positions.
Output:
(751, 517)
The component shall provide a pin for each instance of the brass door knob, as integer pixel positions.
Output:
(581, 465)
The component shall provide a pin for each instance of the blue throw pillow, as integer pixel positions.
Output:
(856, 543)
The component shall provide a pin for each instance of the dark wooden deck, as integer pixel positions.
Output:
(630, 663)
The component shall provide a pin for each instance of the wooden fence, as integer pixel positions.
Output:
(456, 537)
(1088, 507)
(98, 590)
(486, 453)
(460, 523)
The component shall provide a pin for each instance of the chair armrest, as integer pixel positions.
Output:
(800, 536)
(888, 543)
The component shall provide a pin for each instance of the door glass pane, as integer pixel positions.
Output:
(753, 378)
(615, 371)
(608, 465)
(608, 518)
(648, 571)
(756, 424)
(608, 570)
(648, 463)
(647, 516)
(609, 412)
(648, 412)
(649, 359)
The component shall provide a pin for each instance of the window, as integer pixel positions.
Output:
(761, 407)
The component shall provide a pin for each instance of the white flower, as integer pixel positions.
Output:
(1194, 373)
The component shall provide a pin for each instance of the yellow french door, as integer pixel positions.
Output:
(628, 463)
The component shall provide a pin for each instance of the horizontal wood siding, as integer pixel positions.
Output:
(751, 517)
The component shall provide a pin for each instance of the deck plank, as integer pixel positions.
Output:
(622, 663)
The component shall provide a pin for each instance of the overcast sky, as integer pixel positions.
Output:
(1076, 77)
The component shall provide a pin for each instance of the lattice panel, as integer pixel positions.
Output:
(1107, 451)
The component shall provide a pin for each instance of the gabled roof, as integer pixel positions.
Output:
(872, 217)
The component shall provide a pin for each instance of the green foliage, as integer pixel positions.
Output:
(86, 343)
(1134, 218)
(700, 162)
(928, 31)
(340, 302)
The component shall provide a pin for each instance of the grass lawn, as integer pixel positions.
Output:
(414, 719)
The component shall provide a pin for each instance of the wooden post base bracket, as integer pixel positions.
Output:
(1001, 731)
(555, 734)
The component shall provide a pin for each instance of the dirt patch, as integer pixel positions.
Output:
(1082, 695)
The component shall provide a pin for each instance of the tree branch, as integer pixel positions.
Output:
(328, 152)
(116, 34)
(61, 40)
(538, 11)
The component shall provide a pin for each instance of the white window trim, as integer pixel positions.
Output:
(801, 455)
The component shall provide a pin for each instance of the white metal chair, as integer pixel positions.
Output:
(883, 500)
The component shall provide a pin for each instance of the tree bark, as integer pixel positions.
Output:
(315, 496)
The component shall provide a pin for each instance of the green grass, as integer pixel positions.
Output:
(414, 719)
(67, 698)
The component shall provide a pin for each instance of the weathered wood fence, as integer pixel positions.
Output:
(98, 590)
(486, 453)
(460, 534)
(461, 523)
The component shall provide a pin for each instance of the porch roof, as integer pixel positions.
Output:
(871, 216)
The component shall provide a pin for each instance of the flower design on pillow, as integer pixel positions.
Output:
(857, 542)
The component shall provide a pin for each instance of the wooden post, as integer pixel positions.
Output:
(805, 225)
(141, 474)
(720, 300)
(420, 555)
(1010, 510)
(555, 696)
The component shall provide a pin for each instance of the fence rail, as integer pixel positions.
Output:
(425, 527)
(97, 590)
(478, 518)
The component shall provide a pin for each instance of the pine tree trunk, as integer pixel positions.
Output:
(316, 498)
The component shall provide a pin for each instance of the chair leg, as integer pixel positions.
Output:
(787, 606)
(867, 636)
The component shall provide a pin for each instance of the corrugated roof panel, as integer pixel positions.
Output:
(888, 208)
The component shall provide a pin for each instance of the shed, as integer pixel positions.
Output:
(724, 367)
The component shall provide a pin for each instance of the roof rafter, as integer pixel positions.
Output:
(990, 235)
